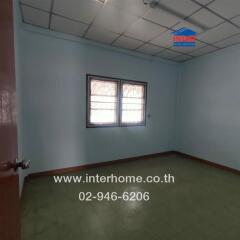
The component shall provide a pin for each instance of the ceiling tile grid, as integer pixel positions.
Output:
(65, 25)
(168, 54)
(182, 58)
(114, 19)
(135, 7)
(150, 49)
(206, 18)
(219, 32)
(40, 4)
(204, 2)
(163, 40)
(100, 34)
(128, 43)
(204, 50)
(83, 10)
(144, 30)
(182, 7)
(226, 8)
(35, 17)
(132, 25)
(161, 17)
(236, 20)
(228, 41)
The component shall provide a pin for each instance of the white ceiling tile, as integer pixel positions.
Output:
(184, 49)
(229, 41)
(65, 25)
(161, 17)
(35, 17)
(199, 44)
(168, 54)
(141, 24)
(189, 49)
(81, 10)
(183, 7)
(144, 30)
(164, 40)
(218, 33)
(150, 49)
(41, 4)
(206, 18)
(187, 25)
(135, 7)
(226, 8)
(114, 19)
(204, 50)
(236, 20)
(204, 2)
(128, 43)
(101, 35)
(182, 58)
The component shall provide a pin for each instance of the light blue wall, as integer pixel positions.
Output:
(51, 69)
(208, 112)
(53, 102)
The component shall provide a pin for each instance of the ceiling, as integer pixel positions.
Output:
(131, 25)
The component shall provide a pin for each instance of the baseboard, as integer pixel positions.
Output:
(204, 161)
(94, 165)
(125, 160)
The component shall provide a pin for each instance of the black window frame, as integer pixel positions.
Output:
(119, 82)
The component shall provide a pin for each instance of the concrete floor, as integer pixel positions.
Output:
(203, 203)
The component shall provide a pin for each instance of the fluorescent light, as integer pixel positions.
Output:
(101, 1)
(157, 4)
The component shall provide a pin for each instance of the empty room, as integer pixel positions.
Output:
(119, 119)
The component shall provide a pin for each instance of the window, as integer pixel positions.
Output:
(103, 102)
(115, 102)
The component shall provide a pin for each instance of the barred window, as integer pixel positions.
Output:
(115, 102)
(133, 103)
(103, 102)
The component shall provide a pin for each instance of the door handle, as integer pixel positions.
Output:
(24, 164)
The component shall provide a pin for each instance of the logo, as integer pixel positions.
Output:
(184, 37)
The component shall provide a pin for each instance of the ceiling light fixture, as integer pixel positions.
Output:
(101, 1)
(156, 4)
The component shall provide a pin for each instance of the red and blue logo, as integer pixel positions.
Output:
(184, 37)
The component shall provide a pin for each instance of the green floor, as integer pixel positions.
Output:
(204, 204)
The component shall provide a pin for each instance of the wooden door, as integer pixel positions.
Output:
(9, 190)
